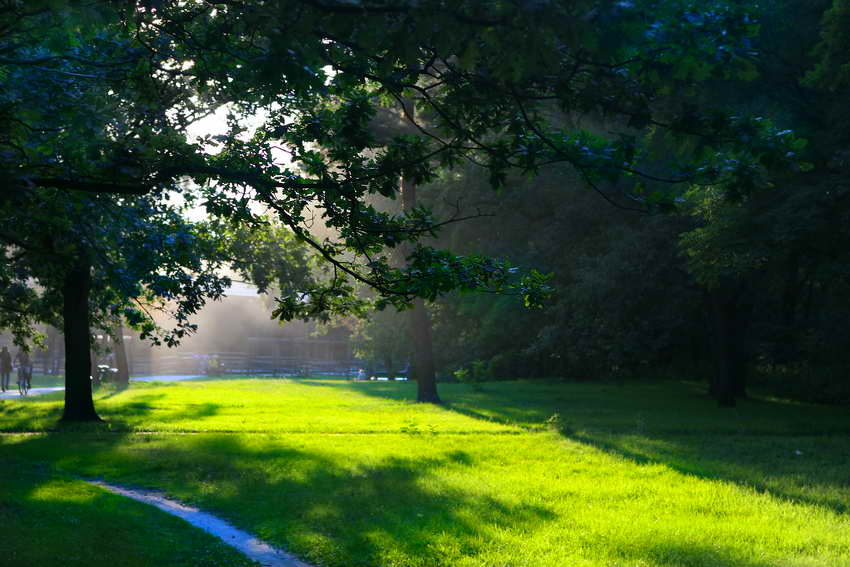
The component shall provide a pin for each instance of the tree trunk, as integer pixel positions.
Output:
(423, 354)
(79, 405)
(388, 366)
(422, 369)
(721, 387)
(731, 309)
(122, 379)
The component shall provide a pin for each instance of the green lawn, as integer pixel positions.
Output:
(520, 474)
(51, 519)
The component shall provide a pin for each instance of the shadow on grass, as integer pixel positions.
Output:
(56, 520)
(325, 509)
(354, 511)
(808, 470)
(795, 451)
(43, 415)
(665, 553)
(334, 512)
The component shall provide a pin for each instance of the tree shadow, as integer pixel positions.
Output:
(298, 497)
(365, 511)
(796, 451)
(325, 510)
(52, 516)
(809, 470)
(667, 553)
(44, 415)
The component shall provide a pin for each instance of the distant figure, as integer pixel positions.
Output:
(24, 367)
(5, 368)
(361, 374)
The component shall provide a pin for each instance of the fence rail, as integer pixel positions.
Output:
(240, 363)
(224, 363)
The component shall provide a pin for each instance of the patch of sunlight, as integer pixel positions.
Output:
(62, 491)
(16, 439)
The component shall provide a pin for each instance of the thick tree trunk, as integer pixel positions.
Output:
(731, 312)
(389, 365)
(79, 405)
(122, 379)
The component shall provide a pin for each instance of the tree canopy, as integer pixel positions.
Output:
(652, 106)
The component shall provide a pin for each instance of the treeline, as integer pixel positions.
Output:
(631, 301)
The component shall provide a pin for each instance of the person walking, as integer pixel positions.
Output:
(24, 367)
(5, 368)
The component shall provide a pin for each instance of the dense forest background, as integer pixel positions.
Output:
(756, 287)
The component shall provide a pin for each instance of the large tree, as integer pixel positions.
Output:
(83, 262)
(491, 82)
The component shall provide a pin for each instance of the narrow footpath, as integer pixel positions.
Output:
(247, 544)
(13, 394)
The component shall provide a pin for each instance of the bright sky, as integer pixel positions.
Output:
(213, 125)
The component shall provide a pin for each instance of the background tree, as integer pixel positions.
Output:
(383, 340)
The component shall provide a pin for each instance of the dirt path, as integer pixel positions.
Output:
(252, 547)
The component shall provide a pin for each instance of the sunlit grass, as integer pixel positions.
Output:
(521, 474)
(335, 406)
(327, 406)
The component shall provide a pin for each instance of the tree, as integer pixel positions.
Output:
(482, 105)
(488, 90)
(89, 260)
(764, 257)
(84, 247)
(383, 339)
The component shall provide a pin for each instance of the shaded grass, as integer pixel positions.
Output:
(356, 474)
(51, 519)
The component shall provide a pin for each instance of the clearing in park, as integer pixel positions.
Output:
(513, 473)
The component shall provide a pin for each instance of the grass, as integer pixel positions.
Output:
(51, 519)
(519, 474)
(45, 380)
